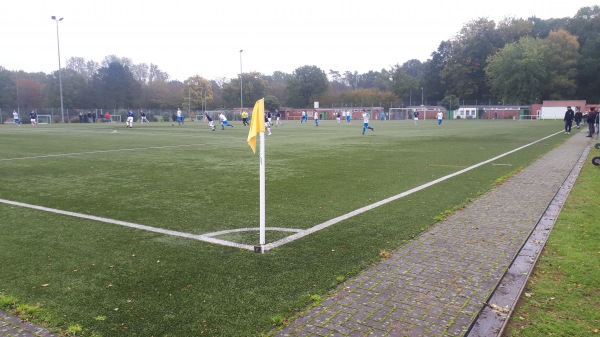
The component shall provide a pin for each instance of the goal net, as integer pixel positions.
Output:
(115, 118)
(400, 113)
(44, 119)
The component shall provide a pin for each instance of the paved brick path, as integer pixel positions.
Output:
(437, 284)
(12, 326)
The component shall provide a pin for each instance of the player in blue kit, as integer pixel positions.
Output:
(223, 121)
(366, 126)
(129, 119)
(33, 117)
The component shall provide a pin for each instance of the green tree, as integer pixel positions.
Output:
(512, 29)
(87, 69)
(197, 90)
(563, 53)
(518, 71)
(368, 97)
(588, 69)
(76, 92)
(465, 70)
(115, 87)
(586, 26)
(276, 84)
(402, 83)
(271, 103)
(254, 87)
(450, 102)
(432, 71)
(374, 80)
(8, 89)
(542, 28)
(306, 84)
(155, 74)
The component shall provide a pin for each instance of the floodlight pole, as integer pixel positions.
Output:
(62, 114)
(422, 105)
(241, 84)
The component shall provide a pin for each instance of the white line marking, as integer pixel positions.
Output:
(131, 225)
(300, 233)
(390, 199)
(109, 151)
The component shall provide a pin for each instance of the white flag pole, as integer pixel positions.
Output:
(261, 156)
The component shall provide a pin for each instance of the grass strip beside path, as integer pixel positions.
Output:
(562, 297)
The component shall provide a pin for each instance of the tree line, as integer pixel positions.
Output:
(514, 61)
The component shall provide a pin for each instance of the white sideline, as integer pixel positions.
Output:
(108, 151)
(208, 237)
(390, 199)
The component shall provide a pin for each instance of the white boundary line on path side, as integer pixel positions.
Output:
(208, 237)
(390, 199)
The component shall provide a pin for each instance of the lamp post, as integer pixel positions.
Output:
(241, 84)
(62, 114)
(423, 106)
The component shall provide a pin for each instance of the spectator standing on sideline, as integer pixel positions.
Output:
(245, 118)
(596, 123)
(107, 117)
(440, 117)
(382, 115)
(569, 115)
(366, 126)
(33, 117)
(210, 121)
(316, 117)
(223, 121)
(129, 119)
(591, 120)
(578, 116)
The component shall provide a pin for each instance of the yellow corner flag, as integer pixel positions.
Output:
(257, 124)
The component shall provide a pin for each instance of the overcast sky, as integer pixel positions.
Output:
(194, 37)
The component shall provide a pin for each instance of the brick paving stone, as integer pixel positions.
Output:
(11, 325)
(436, 284)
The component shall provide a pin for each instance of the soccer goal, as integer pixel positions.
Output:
(44, 119)
(115, 118)
(199, 117)
(400, 113)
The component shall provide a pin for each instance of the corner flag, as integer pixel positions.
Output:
(257, 127)
(257, 124)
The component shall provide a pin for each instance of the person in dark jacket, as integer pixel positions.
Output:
(591, 120)
(569, 115)
(597, 124)
(578, 116)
